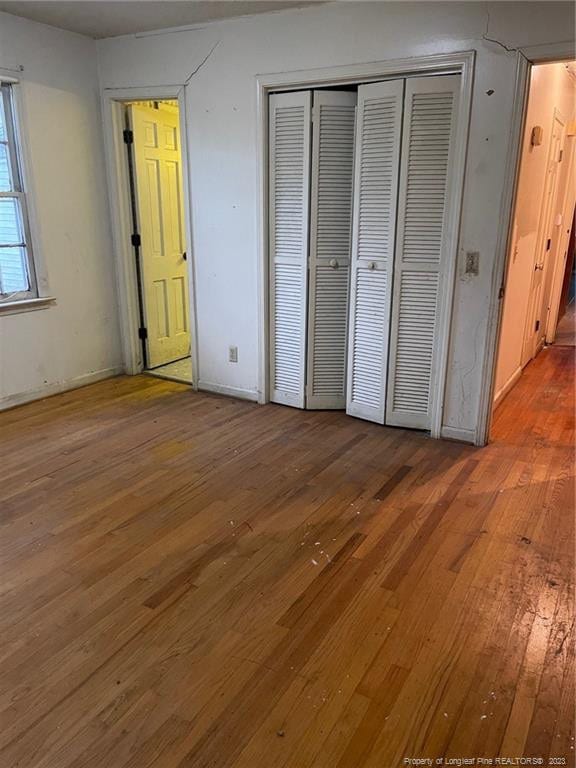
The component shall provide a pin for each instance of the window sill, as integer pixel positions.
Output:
(26, 305)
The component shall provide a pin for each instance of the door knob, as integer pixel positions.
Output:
(371, 265)
(334, 263)
(539, 266)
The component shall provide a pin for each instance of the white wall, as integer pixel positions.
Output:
(551, 87)
(222, 125)
(77, 339)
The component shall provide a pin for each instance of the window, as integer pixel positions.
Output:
(17, 276)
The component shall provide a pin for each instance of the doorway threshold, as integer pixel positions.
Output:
(179, 370)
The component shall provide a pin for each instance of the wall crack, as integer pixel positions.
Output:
(204, 60)
(493, 39)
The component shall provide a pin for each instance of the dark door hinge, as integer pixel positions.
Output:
(128, 136)
(501, 292)
(537, 328)
(136, 240)
(143, 333)
(548, 243)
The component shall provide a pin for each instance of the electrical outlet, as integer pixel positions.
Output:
(472, 263)
(232, 354)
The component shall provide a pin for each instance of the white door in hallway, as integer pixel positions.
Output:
(567, 203)
(535, 331)
(159, 203)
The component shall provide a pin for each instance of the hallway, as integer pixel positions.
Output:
(566, 330)
(189, 580)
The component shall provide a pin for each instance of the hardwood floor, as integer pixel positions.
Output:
(191, 581)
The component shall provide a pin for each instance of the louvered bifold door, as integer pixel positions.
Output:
(330, 229)
(289, 146)
(376, 170)
(430, 111)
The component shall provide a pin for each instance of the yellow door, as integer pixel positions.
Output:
(159, 203)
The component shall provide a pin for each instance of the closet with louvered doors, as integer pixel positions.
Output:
(355, 322)
(311, 146)
(405, 140)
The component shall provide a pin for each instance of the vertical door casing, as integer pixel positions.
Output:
(333, 119)
(159, 202)
(421, 259)
(376, 173)
(289, 185)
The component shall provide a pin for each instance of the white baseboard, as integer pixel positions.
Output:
(19, 398)
(503, 391)
(461, 435)
(224, 389)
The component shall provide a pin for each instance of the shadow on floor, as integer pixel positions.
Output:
(179, 370)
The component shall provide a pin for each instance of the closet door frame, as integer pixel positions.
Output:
(461, 63)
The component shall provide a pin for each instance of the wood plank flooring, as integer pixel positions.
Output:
(190, 581)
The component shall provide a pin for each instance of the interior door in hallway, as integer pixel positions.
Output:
(159, 203)
(535, 331)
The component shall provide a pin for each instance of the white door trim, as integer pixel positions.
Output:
(121, 216)
(525, 58)
(457, 63)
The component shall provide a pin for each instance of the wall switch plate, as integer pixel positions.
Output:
(232, 354)
(472, 263)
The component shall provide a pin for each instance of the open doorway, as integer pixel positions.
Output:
(153, 145)
(541, 242)
(566, 326)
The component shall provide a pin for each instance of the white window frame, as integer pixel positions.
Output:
(18, 191)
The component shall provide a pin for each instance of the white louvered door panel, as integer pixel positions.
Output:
(376, 171)
(330, 230)
(289, 148)
(430, 110)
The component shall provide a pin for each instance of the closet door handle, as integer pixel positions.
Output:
(371, 265)
(334, 263)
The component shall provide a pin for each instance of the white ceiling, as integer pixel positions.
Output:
(106, 18)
